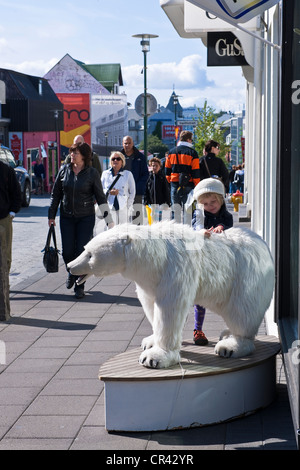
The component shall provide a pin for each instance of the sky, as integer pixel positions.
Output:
(36, 34)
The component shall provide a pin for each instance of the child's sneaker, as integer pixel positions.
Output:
(200, 338)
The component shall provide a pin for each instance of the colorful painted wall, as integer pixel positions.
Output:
(76, 118)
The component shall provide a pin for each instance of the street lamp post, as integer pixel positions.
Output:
(175, 102)
(106, 148)
(145, 43)
(56, 117)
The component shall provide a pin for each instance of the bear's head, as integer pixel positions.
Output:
(102, 256)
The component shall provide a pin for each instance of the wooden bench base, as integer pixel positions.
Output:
(203, 389)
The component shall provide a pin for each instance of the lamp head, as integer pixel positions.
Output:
(145, 43)
(145, 40)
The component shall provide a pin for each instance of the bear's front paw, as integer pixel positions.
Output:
(148, 342)
(157, 358)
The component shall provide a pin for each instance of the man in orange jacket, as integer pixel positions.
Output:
(182, 160)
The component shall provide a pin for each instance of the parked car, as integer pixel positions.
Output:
(23, 177)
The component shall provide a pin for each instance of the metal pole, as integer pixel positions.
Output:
(145, 43)
(175, 111)
(145, 107)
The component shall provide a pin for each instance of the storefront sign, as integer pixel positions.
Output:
(200, 21)
(168, 132)
(109, 120)
(224, 49)
(235, 11)
(16, 144)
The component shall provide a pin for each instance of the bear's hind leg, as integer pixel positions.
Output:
(234, 346)
(238, 339)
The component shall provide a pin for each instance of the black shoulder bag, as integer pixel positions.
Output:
(184, 178)
(50, 258)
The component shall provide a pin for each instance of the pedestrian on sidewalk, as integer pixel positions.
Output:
(211, 215)
(10, 204)
(119, 188)
(182, 163)
(211, 165)
(157, 191)
(239, 178)
(232, 185)
(76, 187)
(136, 162)
(39, 173)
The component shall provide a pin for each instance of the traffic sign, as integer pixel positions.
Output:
(140, 105)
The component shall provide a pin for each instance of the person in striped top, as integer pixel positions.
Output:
(182, 169)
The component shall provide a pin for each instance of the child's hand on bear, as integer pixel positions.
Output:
(218, 229)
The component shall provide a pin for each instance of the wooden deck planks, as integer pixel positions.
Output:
(196, 361)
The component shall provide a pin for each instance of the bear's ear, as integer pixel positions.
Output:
(126, 241)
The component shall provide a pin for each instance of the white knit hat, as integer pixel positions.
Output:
(209, 185)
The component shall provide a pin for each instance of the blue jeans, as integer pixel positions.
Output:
(178, 198)
(232, 188)
(76, 232)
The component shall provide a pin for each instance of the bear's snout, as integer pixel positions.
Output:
(80, 265)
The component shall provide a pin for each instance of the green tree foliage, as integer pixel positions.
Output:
(157, 130)
(206, 129)
(155, 145)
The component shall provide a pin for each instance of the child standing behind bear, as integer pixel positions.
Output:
(213, 216)
(157, 188)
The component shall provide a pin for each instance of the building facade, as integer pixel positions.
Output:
(93, 106)
(33, 118)
(272, 118)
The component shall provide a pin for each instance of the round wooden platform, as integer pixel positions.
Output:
(203, 389)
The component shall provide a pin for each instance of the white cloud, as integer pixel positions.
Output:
(188, 73)
(3, 44)
(223, 88)
(38, 67)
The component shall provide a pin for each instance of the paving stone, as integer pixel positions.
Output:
(61, 405)
(46, 427)
(52, 399)
(35, 444)
(96, 438)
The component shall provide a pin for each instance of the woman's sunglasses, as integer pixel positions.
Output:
(116, 158)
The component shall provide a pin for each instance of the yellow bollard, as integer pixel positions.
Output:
(149, 214)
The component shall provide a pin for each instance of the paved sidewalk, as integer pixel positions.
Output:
(51, 398)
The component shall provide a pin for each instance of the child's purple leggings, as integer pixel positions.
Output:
(199, 316)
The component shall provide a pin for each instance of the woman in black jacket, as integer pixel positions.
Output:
(76, 188)
(211, 165)
(157, 188)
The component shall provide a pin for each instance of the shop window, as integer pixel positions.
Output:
(288, 219)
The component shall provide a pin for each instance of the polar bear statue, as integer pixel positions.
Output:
(175, 267)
